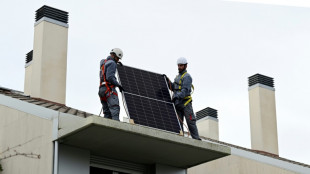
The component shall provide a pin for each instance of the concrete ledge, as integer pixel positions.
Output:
(139, 144)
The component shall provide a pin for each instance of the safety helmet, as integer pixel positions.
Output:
(118, 52)
(181, 60)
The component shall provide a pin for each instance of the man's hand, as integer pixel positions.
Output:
(174, 99)
(168, 81)
(121, 89)
(120, 63)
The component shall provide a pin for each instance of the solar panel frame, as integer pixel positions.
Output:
(129, 113)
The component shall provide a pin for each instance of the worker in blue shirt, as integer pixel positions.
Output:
(107, 92)
(182, 99)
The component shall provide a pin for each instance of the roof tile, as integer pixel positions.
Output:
(42, 102)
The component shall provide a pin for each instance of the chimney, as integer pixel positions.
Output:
(46, 65)
(28, 71)
(264, 136)
(207, 123)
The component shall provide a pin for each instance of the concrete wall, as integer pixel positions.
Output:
(73, 160)
(236, 165)
(28, 75)
(49, 64)
(263, 119)
(25, 134)
(208, 127)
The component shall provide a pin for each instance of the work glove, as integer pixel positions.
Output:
(168, 81)
(121, 89)
(120, 63)
(174, 99)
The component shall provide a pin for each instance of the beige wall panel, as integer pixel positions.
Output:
(236, 165)
(208, 128)
(27, 83)
(25, 133)
(50, 62)
(68, 123)
(263, 120)
(36, 60)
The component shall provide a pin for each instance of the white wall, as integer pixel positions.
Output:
(235, 165)
(28, 140)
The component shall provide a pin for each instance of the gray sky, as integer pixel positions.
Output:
(225, 42)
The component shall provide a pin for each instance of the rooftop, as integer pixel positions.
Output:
(147, 136)
(132, 142)
(44, 103)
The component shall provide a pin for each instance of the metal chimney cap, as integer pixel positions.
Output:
(206, 112)
(29, 56)
(53, 13)
(261, 79)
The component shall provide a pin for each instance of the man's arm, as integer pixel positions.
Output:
(100, 72)
(110, 73)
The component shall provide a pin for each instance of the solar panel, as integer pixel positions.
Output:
(148, 99)
(144, 83)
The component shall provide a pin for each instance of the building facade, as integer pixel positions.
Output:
(40, 134)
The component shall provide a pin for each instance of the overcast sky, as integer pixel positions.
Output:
(225, 42)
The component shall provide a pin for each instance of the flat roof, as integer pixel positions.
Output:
(138, 144)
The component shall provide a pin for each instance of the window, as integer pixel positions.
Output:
(102, 165)
(95, 170)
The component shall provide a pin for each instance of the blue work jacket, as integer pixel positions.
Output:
(186, 86)
(109, 70)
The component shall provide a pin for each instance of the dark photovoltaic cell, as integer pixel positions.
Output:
(144, 83)
(152, 113)
(148, 99)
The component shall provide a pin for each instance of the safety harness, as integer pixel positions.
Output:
(188, 98)
(106, 83)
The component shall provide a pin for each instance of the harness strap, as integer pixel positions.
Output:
(181, 80)
(105, 98)
(187, 97)
(188, 101)
(106, 84)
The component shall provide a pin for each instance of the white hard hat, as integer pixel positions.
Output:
(182, 60)
(118, 52)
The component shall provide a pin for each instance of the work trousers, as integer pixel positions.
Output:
(187, 112)
(110, 106)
